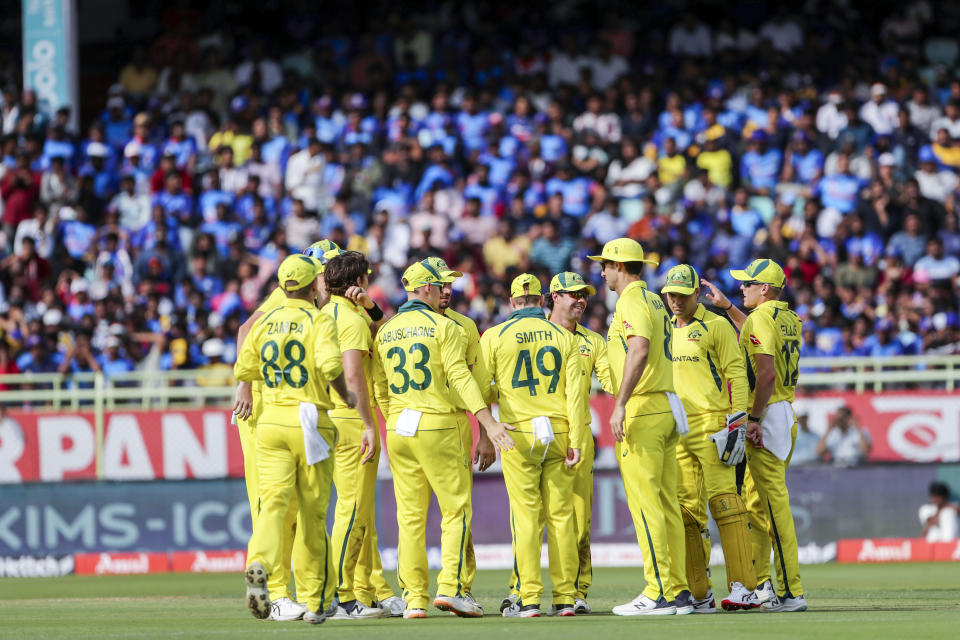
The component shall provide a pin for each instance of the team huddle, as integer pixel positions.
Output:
(702, 420)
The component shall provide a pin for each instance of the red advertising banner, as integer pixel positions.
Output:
(897, 550)
(120, 564)
(907, 426)
(137, 445)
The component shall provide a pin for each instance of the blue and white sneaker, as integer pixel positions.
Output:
(684, 603)
(785, 604)
(644, 606)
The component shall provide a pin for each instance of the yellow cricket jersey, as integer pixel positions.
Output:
(772, 328)
(353, 333)
(422, 354)
(706, 358)
(641, 312)
(472, 353)
(593, 358)
(293, 351)
(274, 300)
(537, 369)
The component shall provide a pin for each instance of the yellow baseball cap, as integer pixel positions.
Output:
(419, 274)
(570, 281)
(622, 250)
(317, 249)
(448, 274)
(682, 279)
(300, 268)
(762, 270)
(525, 284)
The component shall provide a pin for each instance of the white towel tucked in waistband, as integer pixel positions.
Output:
(679, 415)
(776, 425)
(407, 422)
(314, 444)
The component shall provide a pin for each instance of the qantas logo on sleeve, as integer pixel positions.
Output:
(627, 325)
(754, 341)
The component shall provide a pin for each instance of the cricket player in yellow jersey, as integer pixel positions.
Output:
(426, 378)
(711, 381)
(568, 301)
(770, 336)
(247, 408)
(360, 581)
(536, 367)
(293, 351)
(484, 454)
(569, 296)
(646, 419)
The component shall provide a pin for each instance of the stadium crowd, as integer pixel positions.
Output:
(503, 138)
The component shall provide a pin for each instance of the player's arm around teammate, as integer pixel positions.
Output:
(535, 364)
(770, 336)
(294, 351)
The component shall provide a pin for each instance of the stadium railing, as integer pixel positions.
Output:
(205, 387)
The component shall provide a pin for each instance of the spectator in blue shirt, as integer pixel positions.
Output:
(760, 166)
(173, 200)
(804, 162)
(576, 191)
(550, 250)
(112, 361)
(882, 342)
(839, 193)
(472, 124)
(481, 188)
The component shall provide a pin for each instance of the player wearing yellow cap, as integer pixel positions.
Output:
(484, 454)
(706, 363)
(422, 354)
(568, 301)
(360, 581)
(770, 336)
(247, 408)
(293, 351)
(536, 367)
(645, 421)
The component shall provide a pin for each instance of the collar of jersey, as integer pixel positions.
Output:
(697, 315)
(347, 301)
(780, 304)
(528, 312)
(297, 302)
(413, 305)
(642, 284)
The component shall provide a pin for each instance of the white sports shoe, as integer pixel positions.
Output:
(765, 592)
(644, 606)
(315, 617)
(458, 605)
(258, 598)
(507, 602)
(394, 606)
(469, 598)
(581, 607)
(783, 605)
(740, 598)
(356, 610)
(285, 610)
(414, 613)
(706, 605)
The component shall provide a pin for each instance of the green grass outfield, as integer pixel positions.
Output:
(846, 601)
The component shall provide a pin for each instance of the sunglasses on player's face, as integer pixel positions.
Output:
(579, 295)
(750, 283)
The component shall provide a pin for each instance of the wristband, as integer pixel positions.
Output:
(375, 312)
(728, 307)
(754, 419)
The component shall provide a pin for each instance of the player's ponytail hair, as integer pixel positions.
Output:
(344, 271)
